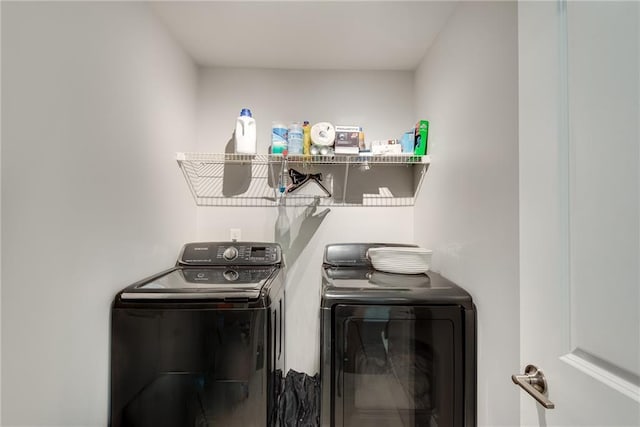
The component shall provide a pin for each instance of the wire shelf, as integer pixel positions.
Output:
(226, 179)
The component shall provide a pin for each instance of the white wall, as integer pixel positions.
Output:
(381, 102)
(0, 239)
(96, 101)
(468, 207)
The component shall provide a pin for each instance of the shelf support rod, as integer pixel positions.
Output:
(346, 179)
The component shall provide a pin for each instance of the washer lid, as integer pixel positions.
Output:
(199, 283)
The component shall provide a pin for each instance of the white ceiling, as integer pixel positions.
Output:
(340, 35)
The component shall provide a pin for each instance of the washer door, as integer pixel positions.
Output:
(398, 366)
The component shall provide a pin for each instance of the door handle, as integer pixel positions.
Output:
(534, 383)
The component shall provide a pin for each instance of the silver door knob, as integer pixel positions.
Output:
(534, 383)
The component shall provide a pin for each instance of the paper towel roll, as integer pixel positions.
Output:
(323, 133)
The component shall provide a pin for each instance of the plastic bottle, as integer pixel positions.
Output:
(306, 138)
(245, 134)
(294, 139)
(278, 138)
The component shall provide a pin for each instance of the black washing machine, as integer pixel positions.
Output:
(396, 349)
(201, 344)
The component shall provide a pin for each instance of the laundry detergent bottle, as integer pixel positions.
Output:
(245, 134)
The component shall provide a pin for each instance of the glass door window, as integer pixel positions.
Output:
(398, 366)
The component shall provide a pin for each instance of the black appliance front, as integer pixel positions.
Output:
(397, 350)
(186, 350)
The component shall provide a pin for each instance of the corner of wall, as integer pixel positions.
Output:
(467, 212)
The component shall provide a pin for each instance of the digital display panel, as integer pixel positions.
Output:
(258, 252)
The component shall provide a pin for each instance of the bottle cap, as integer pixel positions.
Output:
(245, 112)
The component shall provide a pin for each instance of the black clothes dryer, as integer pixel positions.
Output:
(396, 349)
(201, 344)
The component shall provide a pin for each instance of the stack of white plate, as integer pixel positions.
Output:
(402, 260)
(389, 280)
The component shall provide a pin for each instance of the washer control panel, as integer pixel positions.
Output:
(230, 253)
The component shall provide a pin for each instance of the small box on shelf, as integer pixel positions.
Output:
(347, 140)
(421, 136)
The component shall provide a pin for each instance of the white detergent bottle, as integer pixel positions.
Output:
(245, 134)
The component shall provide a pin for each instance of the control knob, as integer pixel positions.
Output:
(231, 275)
(230, 253)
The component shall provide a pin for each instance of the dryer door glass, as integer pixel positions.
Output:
(398, 366)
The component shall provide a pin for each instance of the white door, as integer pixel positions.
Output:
(579, 210)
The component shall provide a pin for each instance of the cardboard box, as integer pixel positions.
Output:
(421, 136)
(386, 146)
(347, 138)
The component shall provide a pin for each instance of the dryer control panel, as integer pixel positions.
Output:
(353, 254)
(230, 253)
